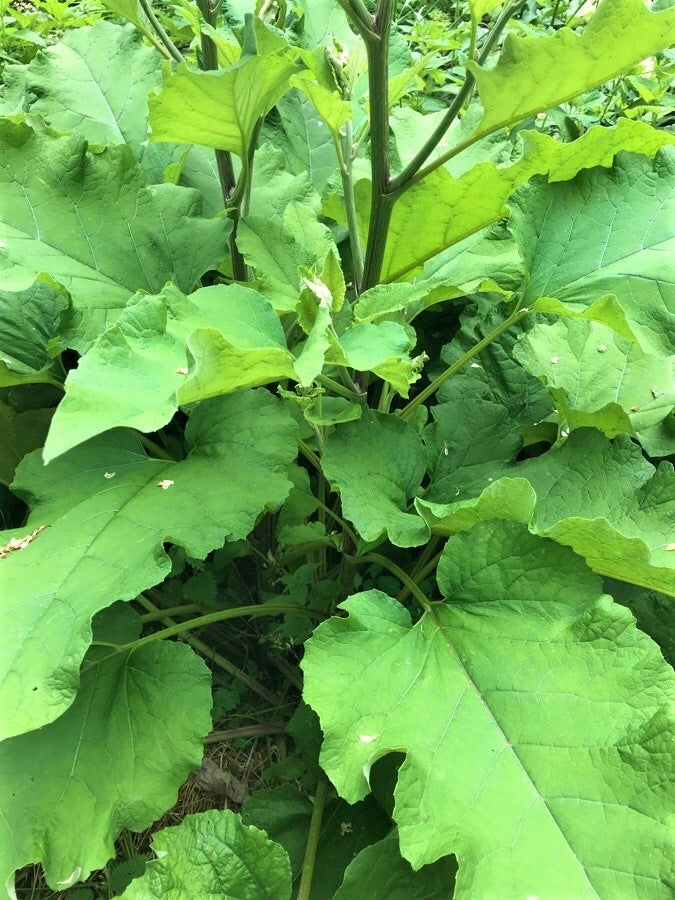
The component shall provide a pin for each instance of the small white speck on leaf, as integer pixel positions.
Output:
(476, 366)
(634, 408)
(367, 738)
(165, 484)
(602, 348)
(445, 449)
(2, 245)
(656, 393)
(671, 546)
(109, 474)
(565, 432)
(345, 828)
(181, 371)
(490, 479)
(555, 360)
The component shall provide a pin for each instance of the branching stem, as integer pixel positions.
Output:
(431, 388)
(173, 51)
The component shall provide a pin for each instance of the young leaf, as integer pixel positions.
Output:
(219, 110)
(95, 82)
(51, 220)
(527, 697)
(113, 760)
(136, 373)
(605, 233)
(213, 854)
(536, 73)
(109, 509)
(334, 111)
(377, 465)
(441, 210)
(600, 379)
(277, 251)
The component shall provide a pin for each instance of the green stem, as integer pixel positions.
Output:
(312, 841)
(246, 731)
(184, 610)
(402, 576)
(339, 389)
(361, 18)
(462, 361)
(310, 455)
(211, 654)
(161, 34)
(221, 615)
(154, 448)
(423, 568)
(340, 521)
(410, 174)
(381, 203)
(345, 161)
(224, 163)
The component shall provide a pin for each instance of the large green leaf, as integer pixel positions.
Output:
(306, 141)
(600, 379)
(136, 374)
(609, 504)
(441, 210)
(536, 73)
(377, 464)
(532, 713)
(213, 854)
(95, 82)
(115, 759)
(51, 219)
(219, 110)
(109, 511)
(29, 320)
(605, 233)
(600, 497)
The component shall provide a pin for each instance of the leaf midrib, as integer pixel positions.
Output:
(507, 743)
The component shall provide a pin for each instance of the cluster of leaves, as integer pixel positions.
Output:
(390, 384)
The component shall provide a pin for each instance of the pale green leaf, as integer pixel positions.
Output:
(536, 73)
(377, 464)
(333, 111)
(598, 378)
(524, 700)
(383, 348)
(220, 109)
(607, 310)
(213, 854)
(51, 220)
(512, 499)
(115, 759)
(166, 351)
(606, 233)
(307, 143)
(441, 210)
(109, 510)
